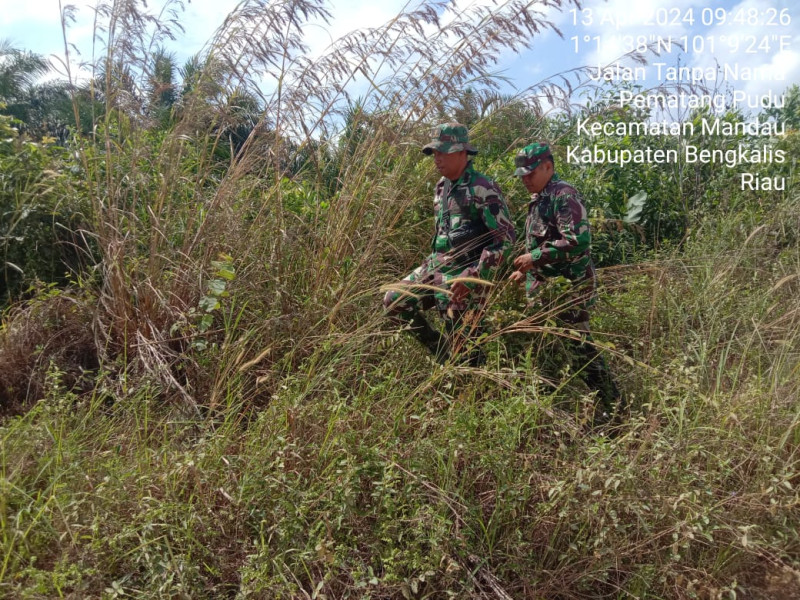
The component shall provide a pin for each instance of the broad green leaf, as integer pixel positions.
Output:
(634, 208)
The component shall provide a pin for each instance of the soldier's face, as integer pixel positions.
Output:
(535, 181)
(450, 165)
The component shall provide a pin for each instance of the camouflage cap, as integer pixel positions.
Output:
(449, 138)
(530, 157)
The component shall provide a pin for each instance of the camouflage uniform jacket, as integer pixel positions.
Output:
(557, 234)
(473, 198)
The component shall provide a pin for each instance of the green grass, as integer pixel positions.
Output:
(365, 471)
(215, 407)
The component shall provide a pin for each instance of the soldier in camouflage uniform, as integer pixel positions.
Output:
(473, 235)
(558, 243)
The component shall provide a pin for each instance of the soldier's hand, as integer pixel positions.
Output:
(523, 263)
(458, 291)
(517, 277)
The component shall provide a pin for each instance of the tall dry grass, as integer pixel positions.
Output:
(165, 207)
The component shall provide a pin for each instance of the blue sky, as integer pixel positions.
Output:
(758, 35)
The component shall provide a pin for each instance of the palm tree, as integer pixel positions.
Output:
(789, 112)
(19, 71)
(162, 91)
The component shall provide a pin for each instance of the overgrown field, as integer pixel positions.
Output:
(200, 397)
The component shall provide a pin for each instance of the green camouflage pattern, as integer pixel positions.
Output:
(473, 197)
(558, 238)
(530, 157)
(449, 138)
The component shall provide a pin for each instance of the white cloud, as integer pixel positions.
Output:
(44, 11)
(200, 20)
(349, 16)
(620, 24)
(35, 25)
(755, 46)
